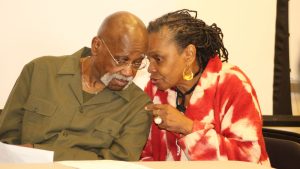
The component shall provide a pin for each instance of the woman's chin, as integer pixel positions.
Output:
(161, 86)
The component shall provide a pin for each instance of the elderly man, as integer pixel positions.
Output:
(84, 106)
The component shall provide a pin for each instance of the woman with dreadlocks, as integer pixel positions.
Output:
(204, 108)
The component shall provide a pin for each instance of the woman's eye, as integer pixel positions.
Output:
(155, 59)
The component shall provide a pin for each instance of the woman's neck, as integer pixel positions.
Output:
(185, 90)
(187, 85)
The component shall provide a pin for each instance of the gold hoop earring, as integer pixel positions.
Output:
(187, 73)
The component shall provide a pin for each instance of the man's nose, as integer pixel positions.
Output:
(128, 70)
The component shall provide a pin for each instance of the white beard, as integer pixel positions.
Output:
(105, 79)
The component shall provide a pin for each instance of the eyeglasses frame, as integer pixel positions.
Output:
(141, 66)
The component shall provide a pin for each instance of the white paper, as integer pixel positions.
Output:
(106, 164)
(18, 154)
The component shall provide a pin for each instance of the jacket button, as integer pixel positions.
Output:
(81, 110)
(65, 133)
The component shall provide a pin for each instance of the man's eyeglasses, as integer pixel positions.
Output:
(122, 63)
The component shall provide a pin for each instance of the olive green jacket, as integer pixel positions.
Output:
(46, 108)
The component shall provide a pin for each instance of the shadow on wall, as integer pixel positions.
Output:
(298, 62)
(295, 89)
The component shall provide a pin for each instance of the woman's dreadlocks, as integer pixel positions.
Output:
(187, 29)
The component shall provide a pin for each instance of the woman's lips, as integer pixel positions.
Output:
(155, 80)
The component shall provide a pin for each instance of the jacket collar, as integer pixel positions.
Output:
(70, 65)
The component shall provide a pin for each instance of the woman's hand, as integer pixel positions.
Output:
(172, 119)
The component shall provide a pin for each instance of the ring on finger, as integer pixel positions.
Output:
(157, 119)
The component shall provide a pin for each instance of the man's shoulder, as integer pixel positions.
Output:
(50, 59)
(46, 64)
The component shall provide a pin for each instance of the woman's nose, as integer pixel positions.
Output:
(152, 68)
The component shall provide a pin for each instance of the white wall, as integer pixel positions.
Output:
(33, 28)
(294, 25)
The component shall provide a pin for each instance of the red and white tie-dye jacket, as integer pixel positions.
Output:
(225, 98)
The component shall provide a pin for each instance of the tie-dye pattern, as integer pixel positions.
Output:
(226, 115)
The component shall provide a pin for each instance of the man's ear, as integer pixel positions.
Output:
(96, 43)
(190, 54)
